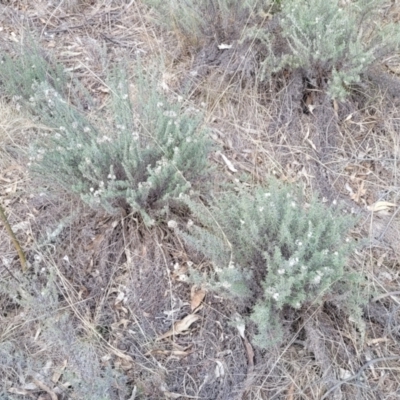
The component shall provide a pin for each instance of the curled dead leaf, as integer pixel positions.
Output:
(250, 354)
(227, 162)
(219, 369)
(180, 326)
(176, 353)
(381, 206)
(197, 296)
(311, 143)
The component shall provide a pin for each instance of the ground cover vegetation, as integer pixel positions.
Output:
(296, 250)
(199, 199)
(145, 156)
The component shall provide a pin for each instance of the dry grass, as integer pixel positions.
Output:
(100, 291)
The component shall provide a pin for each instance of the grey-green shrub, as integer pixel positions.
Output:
(333, 42)
(30, 71)
(296, 250)
(23, 356)
(148, 154)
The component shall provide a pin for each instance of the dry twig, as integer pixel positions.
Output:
(14, 239)
(358, 374)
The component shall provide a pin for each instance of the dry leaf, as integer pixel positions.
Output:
(197, 295)
(47, 368)
(373, 342)
(380, 206)
(123, 364)
(393, 68)
(250, 354)
(133, 395)
(349, 189)
(179, 272)
(104, 89)
(381, 259)
(177, 353)
(120, 354)
(120, 298)
(311, 144)
(240, 325)
(344, 374)
(307, 135)
(360, 192)
(29, 386)
(171, 395)
(219, 369)
(335, 106)
(69, 53)
(19, 391)
(123, 321)
(58, 372)
(94, 244)
(38, 332)
(45, 388)
(180, 326)
(180, 353)
(227, 162)
(290, 394)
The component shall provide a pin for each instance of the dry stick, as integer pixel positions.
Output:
(14, 239)
(44, 387)
(382, 296)
(358, 374)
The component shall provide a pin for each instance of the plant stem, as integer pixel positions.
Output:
(14, 239)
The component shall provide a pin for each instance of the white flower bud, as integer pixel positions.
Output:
(172, 224)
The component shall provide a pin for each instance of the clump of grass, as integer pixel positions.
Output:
(150, 153)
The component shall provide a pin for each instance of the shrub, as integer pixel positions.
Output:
(31, 71)
(149, 153)
(334, 43)
(297, 250)
(198, 20)
(59, 337)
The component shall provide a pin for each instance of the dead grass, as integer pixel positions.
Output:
(102, 291)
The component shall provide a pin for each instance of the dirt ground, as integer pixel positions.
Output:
(105, 294)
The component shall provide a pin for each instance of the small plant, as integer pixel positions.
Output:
(333, 42)
(31, 71)
(60, 338)
(196, 21)
(146, 156)
(297, 251)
